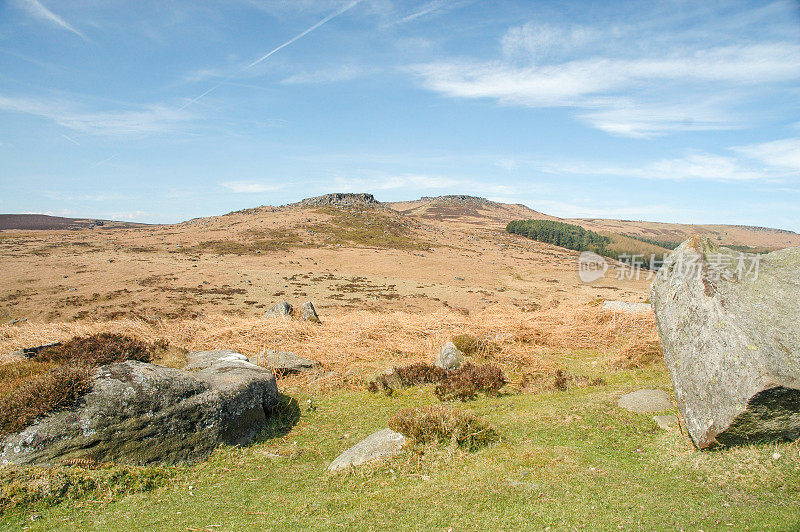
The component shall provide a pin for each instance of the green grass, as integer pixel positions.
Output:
(565, 460)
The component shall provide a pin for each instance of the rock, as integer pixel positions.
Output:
(31, 352)
(339, 200)
(382, 444)
(279, 310)
(625, 307)
(645, 401)
(286, 362)
(139, 413)
(449, 357)
(308, 312)
(666, 422)
(730, 331)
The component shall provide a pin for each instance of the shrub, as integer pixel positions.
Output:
(100, 349)
(405, 376)
(465, 383)
(438, 424)
(40, 394)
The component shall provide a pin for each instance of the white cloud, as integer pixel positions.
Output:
(252, 187)
(617, 84)
(35, 8)
(147, 119)
(784, 153)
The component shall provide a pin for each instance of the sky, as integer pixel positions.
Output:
(161, 111)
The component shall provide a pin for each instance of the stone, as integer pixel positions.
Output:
(625, 307)
(286, 362)
(449, 357)
(666, 422)
(31, 352)
(730, 329)
(140, 413)
(308, 312)
(279, 310)
(645, 401)
(382, 444)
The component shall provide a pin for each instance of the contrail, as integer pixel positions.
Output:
(330, 17)
(37, 9)
(300, 35)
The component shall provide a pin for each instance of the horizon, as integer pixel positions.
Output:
(291, 203)
(670, 112)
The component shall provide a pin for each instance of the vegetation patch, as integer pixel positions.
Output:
(368, 227)
(474, 346)
(438, 424)
(464, 383)
(61, 374)
(41, 487)
(558, 380)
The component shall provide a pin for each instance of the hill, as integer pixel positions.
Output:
(38, 222)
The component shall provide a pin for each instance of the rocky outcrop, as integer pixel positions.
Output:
(141, 413)
(382, 444)
(730, 329)
(449, 357)
(339, 200)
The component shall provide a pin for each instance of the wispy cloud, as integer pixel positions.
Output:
(252, 187)
(145, 120)
(326, 75)
(305, 32)
(433, 7)
(617, 84)
(784, 153)
(35, 8)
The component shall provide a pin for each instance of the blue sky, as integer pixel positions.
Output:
(163, 111)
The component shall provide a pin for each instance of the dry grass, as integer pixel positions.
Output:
(354, 346)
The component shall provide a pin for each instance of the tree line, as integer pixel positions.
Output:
(562, 234)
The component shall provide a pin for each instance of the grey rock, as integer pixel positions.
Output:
(339, 200)
(625, 307)
(141, 413)
(308, 312)
(645, 401)
(31, 352)
(730, 329)
(666, 422)
(382, 444)
(286, 362)
(279, 310)
(449, 357)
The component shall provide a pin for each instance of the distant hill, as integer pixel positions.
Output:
(473, 210)
(33, 222)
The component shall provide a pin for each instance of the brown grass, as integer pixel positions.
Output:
(439, 424)
(357, 345)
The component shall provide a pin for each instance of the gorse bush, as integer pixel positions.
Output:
(439, 424)
(562, 234)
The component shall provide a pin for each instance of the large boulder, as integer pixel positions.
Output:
(279, 310)
(141, 413)
(730, 329)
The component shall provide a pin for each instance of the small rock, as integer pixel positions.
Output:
(459, 278)
(286, 362)
(776, 455)
(308, 312)
(625, 307)
(279, 310)
(382, 444)
(645, 401)
(666, 422)
(449, 357)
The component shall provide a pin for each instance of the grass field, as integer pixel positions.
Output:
(566, 459)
